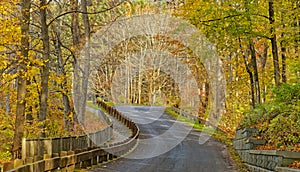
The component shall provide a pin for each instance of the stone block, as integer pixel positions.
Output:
(253, 168)
(286, 169)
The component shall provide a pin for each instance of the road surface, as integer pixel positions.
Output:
(168, 145)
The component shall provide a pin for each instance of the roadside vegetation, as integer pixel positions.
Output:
(278, 119)
(41, 42)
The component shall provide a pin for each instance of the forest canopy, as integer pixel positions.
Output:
(257, 41)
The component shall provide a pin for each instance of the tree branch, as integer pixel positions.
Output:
(231, 16)
(218, 19)
(81, 12)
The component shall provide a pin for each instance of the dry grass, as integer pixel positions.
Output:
(93, 123)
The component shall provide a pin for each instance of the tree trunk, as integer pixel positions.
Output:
(7, 106)
(140, 79)
(251, 78)
(297, 28)
(274, 44)
(45, 67)
(283, 50)
(75, 39)
(255, 71)
(61, 71)
(283, 63)
(264, 58)
(86, 65)
(21, 84)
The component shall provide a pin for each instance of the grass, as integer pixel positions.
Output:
(93, 123)
(222, 137)
(95, 106)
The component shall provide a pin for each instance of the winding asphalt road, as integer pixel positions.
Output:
(168, 145)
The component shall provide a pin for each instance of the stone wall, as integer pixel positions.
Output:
(261, 160)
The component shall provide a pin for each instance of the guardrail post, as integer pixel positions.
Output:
(105, 154)
(95, 157)
(88, 162)
(101, 156)
(24, 148)
(110, 156)
(8, 166)
(71, 161)
(63, 166)
(77, 164)
(28, 160)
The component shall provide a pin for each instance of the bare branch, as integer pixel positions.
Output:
(81, 12)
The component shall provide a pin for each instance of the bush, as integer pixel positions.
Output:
(278, 119)
(6, 136)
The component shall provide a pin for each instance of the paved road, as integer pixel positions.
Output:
(167, 145)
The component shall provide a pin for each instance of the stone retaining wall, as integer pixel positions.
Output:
(261, 160)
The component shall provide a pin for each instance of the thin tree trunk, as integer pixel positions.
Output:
(283, 63)
(251, 78)
(264, 58)
(7, 106)
(140, 81)
(297, 26)
(274, 44)
(61, 71)
(21, 84)
(283, 53)
(255, 71)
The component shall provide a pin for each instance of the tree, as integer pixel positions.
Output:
(21, 84)
(61, 71)
(45, 68)
(274, 43)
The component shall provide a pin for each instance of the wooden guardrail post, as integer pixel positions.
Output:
(28, 160)
(71, 161)
(77, 163)
(87, 160)
(8, 166)
(105, 154)
(95, 157)
(101, 156)
(63, 161)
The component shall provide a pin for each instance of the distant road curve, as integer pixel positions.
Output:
(157, 152)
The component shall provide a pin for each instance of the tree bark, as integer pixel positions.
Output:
(61, 71)
(251, 78)
(45, 67)
(86, 65)
(264, 57)
(274, 44)
(7, 106)
(283, 62)
(75, 39)
(255, 72)
(21, 84)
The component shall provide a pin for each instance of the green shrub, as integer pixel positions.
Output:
(278, 119)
